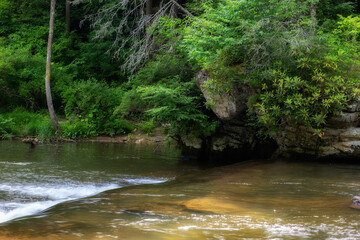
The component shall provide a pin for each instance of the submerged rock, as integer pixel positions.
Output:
(214, 205)
(355, 202)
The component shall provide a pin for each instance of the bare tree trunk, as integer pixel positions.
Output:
(67, 18)
(48, 70)
(149, 5)
(175, 10)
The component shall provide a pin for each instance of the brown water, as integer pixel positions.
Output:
(110, 191)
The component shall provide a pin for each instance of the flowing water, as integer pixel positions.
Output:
(119, 191)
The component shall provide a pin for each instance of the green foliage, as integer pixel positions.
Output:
(118, 126)
(174, 104)
(78, 129)
(24, 123)
(148, 126)
(91, 103)
(330, 9)
(348, 28)
(301, 75)
(6, 127)
(239, 40)
(321, 86)
(164, 67)
(22, 79)
(302, 69)
(164, 93)
(92, 61)
(131, 104)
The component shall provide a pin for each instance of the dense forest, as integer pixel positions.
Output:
(122, 65)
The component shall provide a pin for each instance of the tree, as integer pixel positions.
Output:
(48, 69)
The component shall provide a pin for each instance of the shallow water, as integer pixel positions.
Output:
(118, 191)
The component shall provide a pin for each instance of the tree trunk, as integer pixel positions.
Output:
(67, 18)
(48, 70)
(175, 10)
(313, 18)
(149, 5)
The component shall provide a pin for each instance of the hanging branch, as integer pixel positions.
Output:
(135, 30)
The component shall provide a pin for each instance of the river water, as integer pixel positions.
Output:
(121, 191)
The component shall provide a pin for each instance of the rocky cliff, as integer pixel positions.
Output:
(236, 140)
(341, 138)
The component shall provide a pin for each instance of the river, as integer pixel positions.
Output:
(122, 191)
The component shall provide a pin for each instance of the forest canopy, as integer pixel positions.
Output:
(119, 66)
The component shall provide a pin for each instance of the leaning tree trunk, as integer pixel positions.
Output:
(67, 18)
(48, 69)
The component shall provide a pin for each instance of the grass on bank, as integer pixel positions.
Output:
(22, 123)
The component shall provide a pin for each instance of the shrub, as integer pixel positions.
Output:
(25, 123)
(176, 104)
(6, 127)
(118, 126)
(78, 129)
(22, 79)
(148, 126)
(91, 103)
(132, 105)
(163, 68)
(321, 86)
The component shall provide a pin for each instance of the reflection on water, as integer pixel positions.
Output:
(131, 192)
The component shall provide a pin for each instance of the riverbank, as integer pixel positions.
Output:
(36, 128)
(137, 137)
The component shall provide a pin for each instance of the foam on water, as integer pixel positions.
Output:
(53, 194)
(138, 181)
(26, 209)
(58, 192)
(16, 163)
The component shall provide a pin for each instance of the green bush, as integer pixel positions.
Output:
(78, 129)
(178, 104)
(117, 126)
(22, 79)
(321, 86)
(163, 68)
(148, 126)
(94, 103)
(25, 123)
(6, 127)
(132, 105)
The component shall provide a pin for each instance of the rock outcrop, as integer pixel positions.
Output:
(226, 105)
(341, 138)
(234, 140)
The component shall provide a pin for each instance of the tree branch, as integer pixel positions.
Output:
(182, 9)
